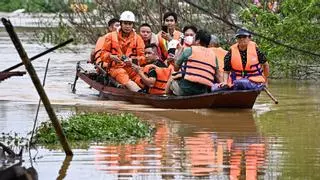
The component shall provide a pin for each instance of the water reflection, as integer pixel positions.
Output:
(270, 142)
(64, 167)
(200, 146)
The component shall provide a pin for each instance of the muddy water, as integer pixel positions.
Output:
(268, 142)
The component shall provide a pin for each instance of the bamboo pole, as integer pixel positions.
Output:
(270, 95)
(35, 79)
(39, 55)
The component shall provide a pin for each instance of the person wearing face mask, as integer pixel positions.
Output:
(197, 68)
(187, 39)
(189, 32)
(113, 25)
(245, 66)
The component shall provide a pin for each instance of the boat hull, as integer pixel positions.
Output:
(222, 99)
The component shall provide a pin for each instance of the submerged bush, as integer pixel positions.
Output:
(95, 127)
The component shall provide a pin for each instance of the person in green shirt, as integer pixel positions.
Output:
(197, 66)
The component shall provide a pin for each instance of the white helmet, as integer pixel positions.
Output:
(127, 16)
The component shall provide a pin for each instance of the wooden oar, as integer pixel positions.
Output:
(270, 95)
(39, 55)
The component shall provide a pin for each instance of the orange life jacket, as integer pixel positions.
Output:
(252, 71)
(163, 44)
(200, 67)
(220, 53)
(116, 49)
(130, 51)
(163, 75)
(97, 49)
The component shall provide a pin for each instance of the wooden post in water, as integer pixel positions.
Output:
(36, 81)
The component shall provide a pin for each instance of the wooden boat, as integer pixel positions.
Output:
(5, 75)
(221, 99)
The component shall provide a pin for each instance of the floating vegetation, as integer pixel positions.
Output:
(96, 127)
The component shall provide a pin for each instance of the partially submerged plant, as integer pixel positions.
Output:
(94, 127)
(14, 141)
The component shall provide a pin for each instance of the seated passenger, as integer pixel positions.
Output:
(189, 33)
(147, 35)
(219, 51)
(155, 74)
(118, 49)
(245, 66)
(198, 68)
(113, 25)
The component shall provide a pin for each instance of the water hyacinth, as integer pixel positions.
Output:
(97, 127)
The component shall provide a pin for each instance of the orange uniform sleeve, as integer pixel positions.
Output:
(106, 48)
(162, 46)
(140, 51)
(97, 50)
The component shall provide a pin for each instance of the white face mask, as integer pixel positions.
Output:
(188, 40)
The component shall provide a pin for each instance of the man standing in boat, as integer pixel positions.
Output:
(120, 48)
(155, 74)
(197, 66)
(245, 66)
(168, 33)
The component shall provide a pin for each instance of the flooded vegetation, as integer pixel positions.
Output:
(268, 142)
(96, 127)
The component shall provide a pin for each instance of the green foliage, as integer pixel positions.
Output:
(10, 5)
(94, 127)
(296, 25)
(46, 6)
(33, 5)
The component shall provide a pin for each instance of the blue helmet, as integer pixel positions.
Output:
(242, 32)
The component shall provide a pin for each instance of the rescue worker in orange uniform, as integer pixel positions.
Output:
(170, 21)
(220, 52)
(198, 68)
(120, 48)
(155, 74)
(113, 25)
(245, 64)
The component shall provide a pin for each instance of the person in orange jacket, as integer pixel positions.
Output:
(113, 25)
(169, 33)
(120, 48)
(220, 52)
(155, 74)
(245, 66)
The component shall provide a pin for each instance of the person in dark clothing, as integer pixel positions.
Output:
(245, 61)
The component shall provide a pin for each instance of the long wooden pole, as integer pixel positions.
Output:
(39, 55)
(36, 81)
(270, 95)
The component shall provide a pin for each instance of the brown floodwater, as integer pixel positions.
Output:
(268, 142)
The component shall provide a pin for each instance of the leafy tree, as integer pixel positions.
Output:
(297, 25)
(33, 5)
(10, 5)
